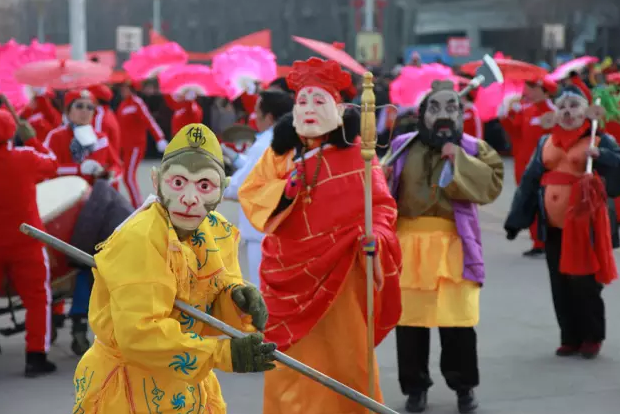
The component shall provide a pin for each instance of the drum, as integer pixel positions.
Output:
(60, 201)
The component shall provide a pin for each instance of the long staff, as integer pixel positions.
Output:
(369, 142)
(284, 359)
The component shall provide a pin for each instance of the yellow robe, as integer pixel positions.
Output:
(336, 346)
(433, 291)
(147, 357)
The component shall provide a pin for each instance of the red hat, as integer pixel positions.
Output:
(101, 92)
(575, 79)
(79, 94)
(547, 84)
(7, 126)
(325, 74)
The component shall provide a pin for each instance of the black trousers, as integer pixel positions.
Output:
(459, 358)
(577, 300)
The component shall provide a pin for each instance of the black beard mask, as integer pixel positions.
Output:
(436, 140)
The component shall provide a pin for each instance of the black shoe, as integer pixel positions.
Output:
(467, 401)
(79, 331)
(58, 321)
(417, 402)
(37, 365)
(534, 252)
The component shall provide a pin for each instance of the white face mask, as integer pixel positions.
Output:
(315, 112)
(85, 135)
(571, 111)
(188, 195)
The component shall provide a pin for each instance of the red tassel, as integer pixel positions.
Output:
(578, 257)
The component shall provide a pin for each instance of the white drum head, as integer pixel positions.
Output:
(56, 196)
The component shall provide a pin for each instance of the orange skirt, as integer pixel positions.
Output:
(433, 291)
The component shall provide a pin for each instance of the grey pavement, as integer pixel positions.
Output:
(517, 338)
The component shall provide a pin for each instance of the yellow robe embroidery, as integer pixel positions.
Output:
(148, 357)
(433, 290)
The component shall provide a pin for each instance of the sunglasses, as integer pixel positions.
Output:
(88, 107)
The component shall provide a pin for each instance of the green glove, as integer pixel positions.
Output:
(250, 354)
(250, 301)
(25, 131)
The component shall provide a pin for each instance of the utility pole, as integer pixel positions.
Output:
(77, 24)
(369, 16)
(157, 16)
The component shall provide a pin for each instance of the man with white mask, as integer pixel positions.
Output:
(307, 194)
(270, 106)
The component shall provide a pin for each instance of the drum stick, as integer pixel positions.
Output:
(9, 105)
(284, 359)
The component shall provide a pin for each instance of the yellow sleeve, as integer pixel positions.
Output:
(142, 292)
(262, 190)
(223, 307)
(477, 179)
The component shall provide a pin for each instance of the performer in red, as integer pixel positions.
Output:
(79, 149)
(578, 249)
(307, 194)
(525, 130)
(105, 121)
(135, 121)
(23, 259)
(472, 124)
(41, 113)
(186, 111)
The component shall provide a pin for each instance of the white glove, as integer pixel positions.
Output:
(161, 146)
(91, 167)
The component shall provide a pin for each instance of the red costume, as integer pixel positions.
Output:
(23, 259)
(525, 130)
(135, 121)
(185, 112)
(42, 115)
(472, 124)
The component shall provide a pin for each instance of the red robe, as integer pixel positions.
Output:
(135, 120)
(308, 256)
(105, 123)
(185, 112)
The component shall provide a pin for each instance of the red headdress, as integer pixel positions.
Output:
(78, 94)
(325, 74)
(575, 79)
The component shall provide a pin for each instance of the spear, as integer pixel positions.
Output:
(368, 133)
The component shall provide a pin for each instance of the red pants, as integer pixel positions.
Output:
(132, 157)
(519, 170)
(28, 270)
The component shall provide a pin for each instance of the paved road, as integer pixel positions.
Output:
(517, 338)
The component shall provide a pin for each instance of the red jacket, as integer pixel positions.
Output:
(105, 123)
(135, 119)
(59, 140)
(21, 168)
(472, 124)
(42, 115)
(185, 112)
(525, 131)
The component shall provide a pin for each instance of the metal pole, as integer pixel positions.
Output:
(41, 23)
(157, 16)
(369, 16)
(77, 24)
(88, 260)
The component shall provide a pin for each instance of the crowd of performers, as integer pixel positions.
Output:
(300, 188)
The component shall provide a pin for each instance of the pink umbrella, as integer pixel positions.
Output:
(12, 57)
(333, 52)
(497, 98)
(238, 68)
(177, 80)
(575, 65)
(63, 74)
(147, 62)
(413, 83)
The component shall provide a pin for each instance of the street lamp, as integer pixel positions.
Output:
(40, 5)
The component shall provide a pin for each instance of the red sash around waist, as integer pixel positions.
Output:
(558, 178)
